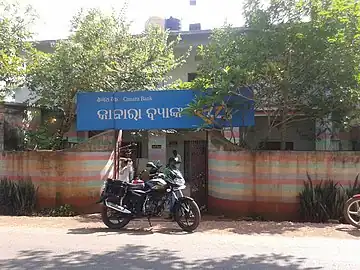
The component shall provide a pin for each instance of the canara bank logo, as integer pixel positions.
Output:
(214, 114)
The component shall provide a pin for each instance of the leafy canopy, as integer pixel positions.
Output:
(100, 55)
(15, 35)
(296, 55)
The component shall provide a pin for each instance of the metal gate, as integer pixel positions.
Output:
(195, 170)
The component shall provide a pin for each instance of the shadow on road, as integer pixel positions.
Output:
(210, 224)
(128, 231)
(350, 230)
(142, 257)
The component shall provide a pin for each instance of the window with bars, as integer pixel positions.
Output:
(136, 149)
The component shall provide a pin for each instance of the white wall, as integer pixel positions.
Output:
(157, 146)
(22, 95)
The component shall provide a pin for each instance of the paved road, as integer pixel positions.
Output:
(35, 248)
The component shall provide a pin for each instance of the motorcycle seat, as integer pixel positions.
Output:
(136, 186)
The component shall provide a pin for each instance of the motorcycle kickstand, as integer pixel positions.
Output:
(148, 218)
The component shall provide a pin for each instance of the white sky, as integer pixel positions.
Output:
(55, 15)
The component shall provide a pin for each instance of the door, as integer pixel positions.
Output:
(195, 170)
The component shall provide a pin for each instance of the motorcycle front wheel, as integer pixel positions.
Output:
(112, 219)
(188, 210)
(352, 212)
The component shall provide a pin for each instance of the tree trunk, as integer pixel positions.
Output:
(285, 111)
(284, 115)
(66, 122)
(283, 129)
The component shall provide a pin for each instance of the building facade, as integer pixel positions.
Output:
(302, 136)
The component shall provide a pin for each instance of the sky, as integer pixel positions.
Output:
(54, 16)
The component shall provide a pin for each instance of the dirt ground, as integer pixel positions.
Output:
(92, 222)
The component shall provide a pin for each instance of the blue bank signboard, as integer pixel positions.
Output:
(146, 110)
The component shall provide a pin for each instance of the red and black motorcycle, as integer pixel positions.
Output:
(352, 211)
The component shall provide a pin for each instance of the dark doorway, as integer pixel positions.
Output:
(195, 170)
(276, 146)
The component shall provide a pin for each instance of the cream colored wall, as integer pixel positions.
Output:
(157, 138)
(189, 67)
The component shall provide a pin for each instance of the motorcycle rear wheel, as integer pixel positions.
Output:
(350, 210)
(122, 221)
(194, 208)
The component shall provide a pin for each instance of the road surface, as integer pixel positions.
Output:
(23, 247)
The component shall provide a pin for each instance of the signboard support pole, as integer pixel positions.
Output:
(115, 156)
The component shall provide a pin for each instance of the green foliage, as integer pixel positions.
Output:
(100, 55)
(197, 84)
(325, 201)
(300, 56)
(14, 44)
(17, 198)
(180, 85)
(354, 188)
(65, 210)
(42, 138)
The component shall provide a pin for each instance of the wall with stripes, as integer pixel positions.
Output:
(267, 183)
(62, 177)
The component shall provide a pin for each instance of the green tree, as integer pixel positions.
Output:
(297, 56)
(15, 35)
(100, 55)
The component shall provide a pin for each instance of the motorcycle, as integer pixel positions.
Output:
(352, 211)
(123, 201)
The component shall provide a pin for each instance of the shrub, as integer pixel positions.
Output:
(65, 210)
(17, 198)
(325, 201)
(354, 189)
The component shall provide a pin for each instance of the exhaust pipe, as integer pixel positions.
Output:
(117, 207)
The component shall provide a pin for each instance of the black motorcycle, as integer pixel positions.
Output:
(124, 201)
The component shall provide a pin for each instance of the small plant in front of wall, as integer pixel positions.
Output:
(325, 201)
(65, 210)
(17, 198)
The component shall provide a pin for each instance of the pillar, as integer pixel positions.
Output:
(157, 146)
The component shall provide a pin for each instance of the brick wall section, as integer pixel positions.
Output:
(103, 142)
(73, 178)
(267, 183)
(240, 182)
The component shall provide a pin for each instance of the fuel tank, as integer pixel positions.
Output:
(156, 184)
